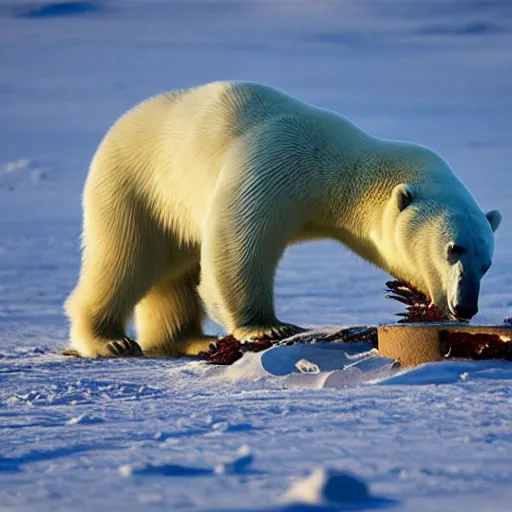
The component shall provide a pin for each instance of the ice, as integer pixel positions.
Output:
(151, 435)
(307, 365)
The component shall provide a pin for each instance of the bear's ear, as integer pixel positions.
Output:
(494, 218)
(403, 195)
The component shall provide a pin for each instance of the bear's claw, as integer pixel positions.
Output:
(270, 332)
(125, 348)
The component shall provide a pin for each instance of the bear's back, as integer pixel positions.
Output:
(228, 109)
(200, 121)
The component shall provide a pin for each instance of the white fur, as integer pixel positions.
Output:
(211, 184)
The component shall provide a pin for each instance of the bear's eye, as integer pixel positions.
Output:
(458, 250)
(455, 252)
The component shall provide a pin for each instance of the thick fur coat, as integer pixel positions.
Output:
(193, 196)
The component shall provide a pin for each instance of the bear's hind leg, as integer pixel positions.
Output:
(169, 318)
(120, 263)
(98, 316)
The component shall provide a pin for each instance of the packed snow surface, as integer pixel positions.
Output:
(307, 427)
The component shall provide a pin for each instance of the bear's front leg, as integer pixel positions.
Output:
(243, 241)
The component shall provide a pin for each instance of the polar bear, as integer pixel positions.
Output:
(193, 196)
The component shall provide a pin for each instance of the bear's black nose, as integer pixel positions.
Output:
(465, 312)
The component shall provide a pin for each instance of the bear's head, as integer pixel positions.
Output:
(438, 239)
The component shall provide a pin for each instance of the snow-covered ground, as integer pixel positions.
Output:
(179, 435)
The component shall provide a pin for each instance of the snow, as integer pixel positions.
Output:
(333, 488)
(152, 434)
